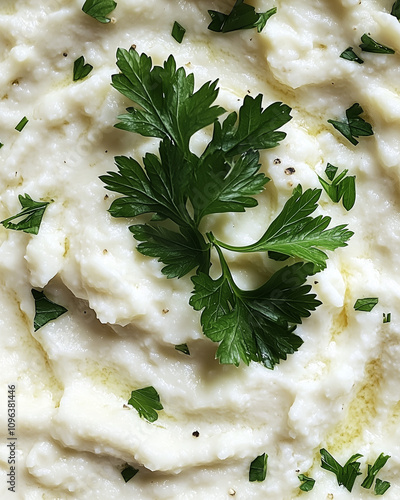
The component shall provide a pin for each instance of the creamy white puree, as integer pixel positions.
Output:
(73, 376)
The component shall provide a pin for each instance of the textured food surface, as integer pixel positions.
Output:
(74, 376)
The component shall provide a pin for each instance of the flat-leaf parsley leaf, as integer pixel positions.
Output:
(129, 472)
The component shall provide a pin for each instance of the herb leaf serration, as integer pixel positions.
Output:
(179, 188)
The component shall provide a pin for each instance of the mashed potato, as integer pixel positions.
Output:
(72, 378)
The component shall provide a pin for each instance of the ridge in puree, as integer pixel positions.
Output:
(73, 377)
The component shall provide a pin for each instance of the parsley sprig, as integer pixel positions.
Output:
(179, 189)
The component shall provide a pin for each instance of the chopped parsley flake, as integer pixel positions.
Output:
(350, 55)
(81, 69)
(354, 126)
(294, 233)
(45, 310)
(373, 470)
(381, 487)
(370, 45)
(183, 348)
(307, 482)
(342, 187)
(258, 468)
(396, 9)
(129, 472)
(31, 215)
(346, 474)
(19, 127)
(146, 401)
(178, 32)
(366, 304)
(242, 16)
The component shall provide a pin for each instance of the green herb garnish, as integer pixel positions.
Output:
(81, 69)
(366, 304)
(31, 215)
(381, 487)
(396, 9)
(99, 9)
(387, 318)
(183, 348)
(179, 189)
(242, 16)
(178, 32)
(346, 474)
(342, 187)
(21, 124)
(354, 126)
(45, 310)
(254, 325)
(294, 233)
(258, 468)
(167, 106)
(350, 55)
(374, 469)
(370, 45)
(129, 472)
(307, 482)
(146, 401)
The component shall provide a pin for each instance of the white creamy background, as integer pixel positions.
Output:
(74, 376)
